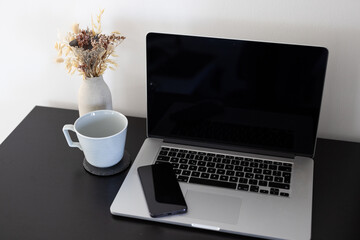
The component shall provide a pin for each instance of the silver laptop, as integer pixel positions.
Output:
(238, 122)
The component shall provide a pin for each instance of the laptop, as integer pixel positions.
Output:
(238, 122)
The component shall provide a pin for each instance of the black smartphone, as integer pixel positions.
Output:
(162, 190)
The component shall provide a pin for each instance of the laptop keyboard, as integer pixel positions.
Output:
(229, 171)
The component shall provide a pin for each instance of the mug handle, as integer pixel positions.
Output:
(70, 142)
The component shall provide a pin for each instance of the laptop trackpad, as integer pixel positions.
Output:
(213, 207)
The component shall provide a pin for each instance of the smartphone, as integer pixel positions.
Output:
(162, 191)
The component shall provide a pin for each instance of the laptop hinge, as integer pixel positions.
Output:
(231, 148)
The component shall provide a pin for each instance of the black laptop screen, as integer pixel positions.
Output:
(234, 93)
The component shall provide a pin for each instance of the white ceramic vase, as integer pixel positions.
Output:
(94, 94)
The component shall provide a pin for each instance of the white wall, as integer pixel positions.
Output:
(29, 30)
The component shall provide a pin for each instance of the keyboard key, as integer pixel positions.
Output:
(274, 191)
(276, 173)
(244, 163)
(229, 167)
(254, 189)
(286, 174)
(220, 171)
(192, 162)
(239, 174)
(248, 169)
(195, 174)
(224, 178)
(279, 185)
(212, 183)
(243, 180)
(243, 187)
(163, 158)
(269, 178)
(253, 182)
(254, 165)
(267, 172)
(226, 161)
(233, 179)
(163, 153)
(278, 179)
(284, 194)
(202, 169)
(287, 179)
(210, 164)
(284, 169)
(216, 160)
(264, 191)
(239, 168)
(211, 170)
(186, 173)
(214, 176)
(205, 175)
(174, 159)
(207, 158)
(235, 162)
(263, 166)
(249, 175)
(263, 183)
(183, 160)
(230, 173)
(199, 157)
(201, 163)
(257, 170)
(192, 168)
(172, 154)
(182, 178)
(272, 167)
(183, 166)
(220, 165)
(259, 177)
(180, 155)
(175, 165)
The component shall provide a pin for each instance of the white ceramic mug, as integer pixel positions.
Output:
(101, 136)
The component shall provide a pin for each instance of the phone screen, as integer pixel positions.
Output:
(162, 191)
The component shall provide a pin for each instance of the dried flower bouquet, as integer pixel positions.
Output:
(88, 51)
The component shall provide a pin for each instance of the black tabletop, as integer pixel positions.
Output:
(45, 193)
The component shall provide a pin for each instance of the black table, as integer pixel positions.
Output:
(45, 193)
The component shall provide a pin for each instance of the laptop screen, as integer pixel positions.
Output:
(234, 94)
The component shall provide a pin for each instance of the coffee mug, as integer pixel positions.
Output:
(101, 136)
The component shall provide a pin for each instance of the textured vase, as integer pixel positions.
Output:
(94, 94)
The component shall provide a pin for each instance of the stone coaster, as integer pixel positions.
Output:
(117, 168)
